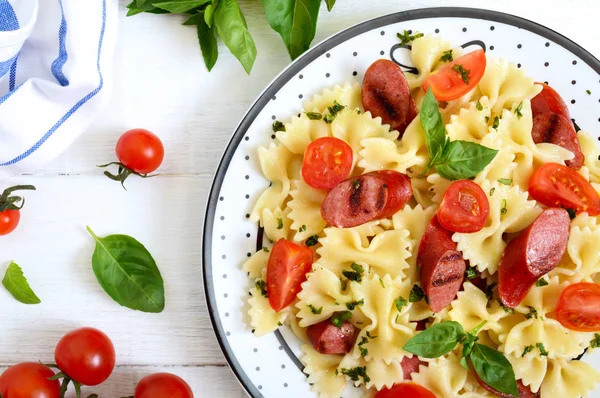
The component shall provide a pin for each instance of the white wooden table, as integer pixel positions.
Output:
(160, 83)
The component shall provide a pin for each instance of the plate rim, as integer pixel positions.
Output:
(282, 78)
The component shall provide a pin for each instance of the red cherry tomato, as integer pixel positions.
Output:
(465, 208)
(405, 390)
(327, 161)
(556, 185)
(548, 100)
(286, 270)
(29, 380)
(578, 307)
(86, 355)
(457, 78)
(9, 219)
(140, 150)
(163, 385)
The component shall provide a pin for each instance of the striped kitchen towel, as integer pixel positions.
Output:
(55, 75)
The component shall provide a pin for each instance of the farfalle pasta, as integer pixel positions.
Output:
(367, 278)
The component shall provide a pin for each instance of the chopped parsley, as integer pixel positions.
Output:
(532, 313)
(340, 317)
(351, 305)
(527, 350)
(542, 349)
(278, 126)
(470, 273)
(489, 291)
(381, 283)
(496, 123)
(344, 283)
(313, 115)
(492, 191)
(518, 110)
(588, 92)
(356, 273)
(355, 184)
(363, 351)
(447, 56)
(280, 223)
(479, 106)
(487, 119)
(595, 343)
(266, 249)
(302, 228)
(358, 372)
(313, 240)
(333, 111)
(262, 286)
(406, 37)
(315, 310)
(279, 324)
(503, 209)
(541, 282)
(416, 294)
(400, 302)
(505, 181)
(505, 308)
(464, 73)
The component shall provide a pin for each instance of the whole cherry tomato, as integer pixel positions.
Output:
(163, 385)
(29, 380)
(10, 213)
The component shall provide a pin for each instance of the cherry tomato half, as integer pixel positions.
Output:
(457, 78)
(465, 208)
(29, 380)
(405, 390)
(140, 150)
(86, 355)
(578, 307)
(548, 100)
(163, 385)
(327, 161)
(556, 185)
(286, 270)
(9, 219)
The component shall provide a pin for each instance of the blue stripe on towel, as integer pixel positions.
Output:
(13, 74)
(62, 58)
(5, 66)
(8, 18)
(75, 107)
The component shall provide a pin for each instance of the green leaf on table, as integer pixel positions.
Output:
(436, 341)
(128, 273)
(330, 4)
(180, 6)
(208, 44)
(209, 12)
(464, 159)
(232, 28)
(147, 6)
(494, 369)
(433, 124)
(295, 21)
(15, 282)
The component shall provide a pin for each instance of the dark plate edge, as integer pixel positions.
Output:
(292, 70)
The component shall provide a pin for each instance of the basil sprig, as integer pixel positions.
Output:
(489, 364)
(453, 160)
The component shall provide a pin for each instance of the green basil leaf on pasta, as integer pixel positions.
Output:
(180, 6)
(436, 341)
(433, 124)
(464, 159)
(494, 369)
(15, 282)
(128, 273)
(233, 29)
(207, 37)
(295, 21)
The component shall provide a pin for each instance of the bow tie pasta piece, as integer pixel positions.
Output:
(321, 291)
(470, 123)
(300, 132)
(510, 212)
(354, 127)
(536, 326)
(348, 95)
(305, 211)
(592, 153)
(426, 53)
(386, 330)
(569, 379)
(530, 369)
(256, 264)
(263, 319)
(444, 376)
(470, 308)
(386, 253)
(379, 374)
(277, 223)
(322, 373)
(505, 85)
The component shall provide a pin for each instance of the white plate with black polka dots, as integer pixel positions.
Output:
(269, 366)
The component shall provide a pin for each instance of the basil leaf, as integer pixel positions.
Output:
(232, 28)
(436, 341)
(433, 124)
(127, 273)
(295, 21)
(209, 13)
(208, 44)
(15, 282)
(194, 20)
(145, 6)
(331, 3)
(464, 159)
(494, 369)
(180, 6)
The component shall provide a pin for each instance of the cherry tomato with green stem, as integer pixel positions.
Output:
(10, 213)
